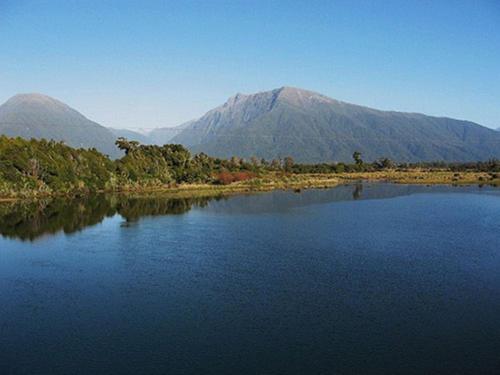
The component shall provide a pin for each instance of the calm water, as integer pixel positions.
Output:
(352, 280)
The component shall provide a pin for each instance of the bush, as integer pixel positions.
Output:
(226, 177)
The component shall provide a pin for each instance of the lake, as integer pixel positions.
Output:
(357, 279)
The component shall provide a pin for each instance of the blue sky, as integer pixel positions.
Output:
(146, 64)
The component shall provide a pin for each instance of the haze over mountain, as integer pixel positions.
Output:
(157, 136)
(162, 136)
(40, 116)
(311, 127)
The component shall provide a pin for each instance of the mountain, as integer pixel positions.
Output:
(306, 125)
(131, 135)
(40, 116)
(157, 136)
(161, 136)
(311, 127)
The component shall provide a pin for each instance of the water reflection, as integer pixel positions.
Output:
(358, 189)
(30, 220)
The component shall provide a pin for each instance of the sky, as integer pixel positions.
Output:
(146, 64)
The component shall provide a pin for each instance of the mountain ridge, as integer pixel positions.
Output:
(286, 121)
(312, 127)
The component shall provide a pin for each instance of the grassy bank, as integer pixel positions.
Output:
(298, 182)
(41, 168)
(281, 181)
(259, 184)
(428, 177)
(268, 182)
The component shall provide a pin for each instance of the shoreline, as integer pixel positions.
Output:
(296, 182)
(263, 184)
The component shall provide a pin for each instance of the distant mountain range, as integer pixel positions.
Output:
(287, 121)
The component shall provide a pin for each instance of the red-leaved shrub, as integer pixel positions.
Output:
(225, 178)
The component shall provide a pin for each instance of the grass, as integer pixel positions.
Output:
(298, 182)
(265, 183)
(427, 177)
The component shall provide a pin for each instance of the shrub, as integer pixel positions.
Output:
(226, 177)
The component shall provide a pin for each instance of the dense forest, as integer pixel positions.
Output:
(44, 167)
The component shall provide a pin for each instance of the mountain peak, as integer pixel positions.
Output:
(34, 99)
(292, 90)
(289, 94)
(298, 96)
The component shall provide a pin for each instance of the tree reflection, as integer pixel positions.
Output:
(30, 220)
(33, 219)
(358, 190)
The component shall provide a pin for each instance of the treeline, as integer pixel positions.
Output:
(492, 166)
(41, 166)
(44, 167)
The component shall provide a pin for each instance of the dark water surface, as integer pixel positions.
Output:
(358, 279)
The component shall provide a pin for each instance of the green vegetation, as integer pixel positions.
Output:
(40, 166)
(30, 168)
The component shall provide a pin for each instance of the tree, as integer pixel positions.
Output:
(34, 168)
(254, 161)
(384, 163)
(235, 162)
(126, 145)
(288, 163)
(357, 158)
(275, 164)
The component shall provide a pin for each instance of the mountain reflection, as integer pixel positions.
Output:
(28, 221)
